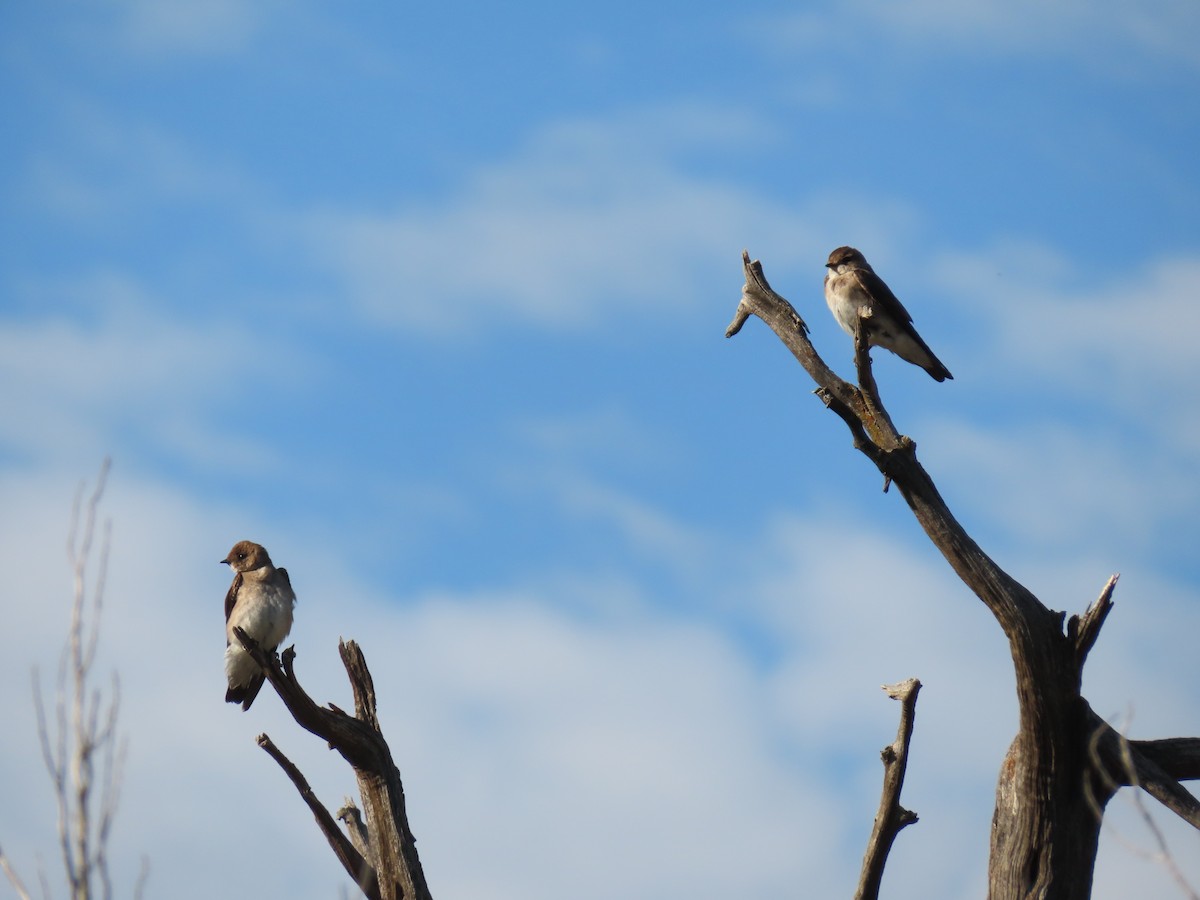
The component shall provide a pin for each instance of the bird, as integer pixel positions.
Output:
(260, 602)
(850, 285)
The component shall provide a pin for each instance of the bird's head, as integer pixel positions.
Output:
(846, 257)
(246, 556)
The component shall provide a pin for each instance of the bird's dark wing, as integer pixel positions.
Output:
(286, 580)
(889, 304)
(231, 597)
(878, 291)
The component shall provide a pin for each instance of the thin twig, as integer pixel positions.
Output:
(13, 878)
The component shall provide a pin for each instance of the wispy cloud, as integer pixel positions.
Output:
(591, 221)
(201, 28)
(108, 367)
(1118, 337)
(1123, 343)
(1105, 36)
(104, 169)
(600, 719)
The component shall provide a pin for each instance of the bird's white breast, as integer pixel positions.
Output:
(844, 298)
(264, 612)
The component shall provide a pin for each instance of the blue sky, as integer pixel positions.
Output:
(431, 303)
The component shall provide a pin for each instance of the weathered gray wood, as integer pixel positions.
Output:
(892, 817)
(381, 790)
(350, 816)
(358, 738)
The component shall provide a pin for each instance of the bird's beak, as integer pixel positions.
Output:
(224, 561)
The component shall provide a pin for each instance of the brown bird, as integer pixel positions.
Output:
(260, 602)
(852, 284)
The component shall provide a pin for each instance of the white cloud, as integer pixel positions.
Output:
(1120, 338)
(106, 368)
(609, 740)
(591, 221)
(1108, 36)
(609, 431)
(109, 171)
(645, 530)
(1056, 487)
(198, 28)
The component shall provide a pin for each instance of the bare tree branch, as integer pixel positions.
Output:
(892, 817)
(1178, 757)
(1123, 764)
(360, 742)
(351, 859)
(1118, 760)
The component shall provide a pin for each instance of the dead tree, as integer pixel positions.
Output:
(82, 749)
(1065, 762)
(380, 855)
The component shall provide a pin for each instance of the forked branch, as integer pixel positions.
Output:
(360, 741)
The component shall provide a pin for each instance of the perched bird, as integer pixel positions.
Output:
(260, 602)
(851, 284)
